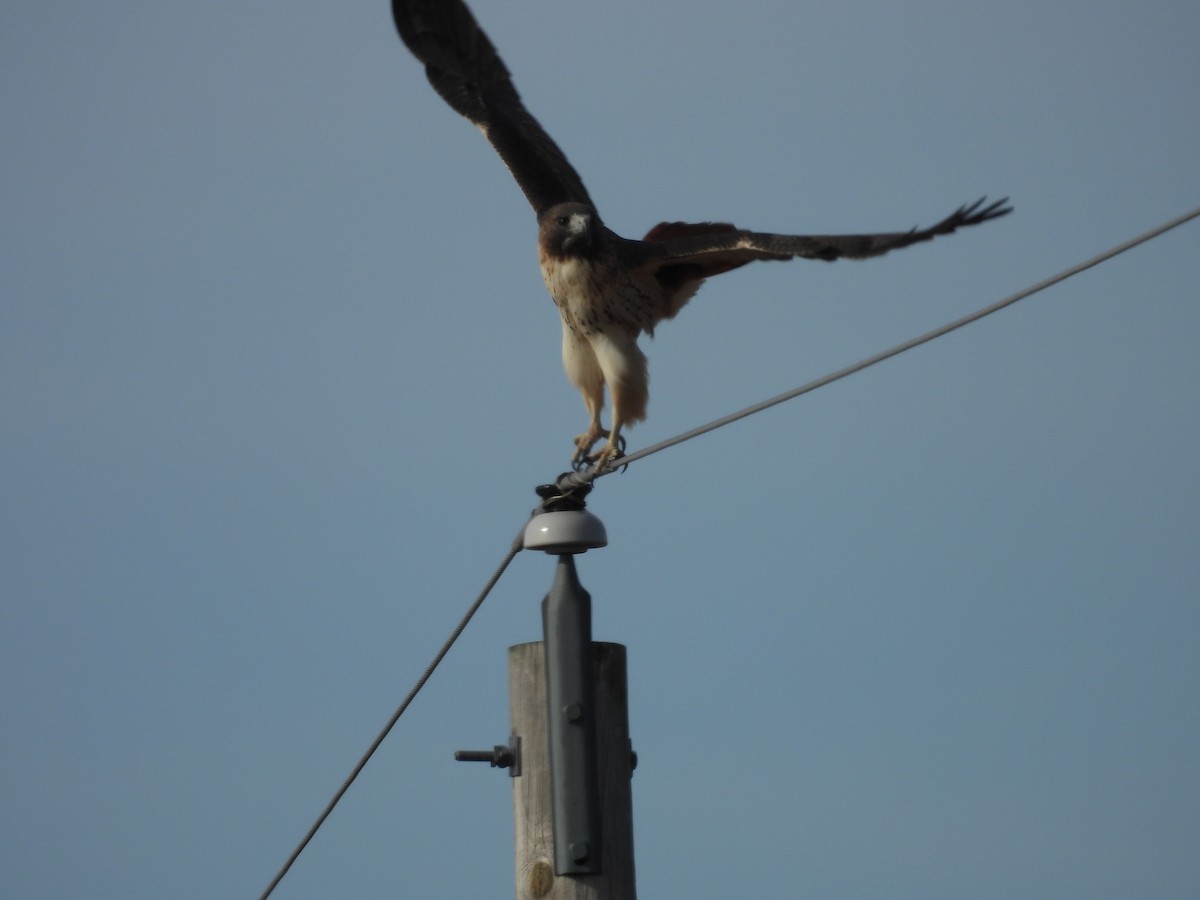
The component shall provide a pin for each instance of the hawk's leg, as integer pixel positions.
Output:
(610, 357)
(594, 401)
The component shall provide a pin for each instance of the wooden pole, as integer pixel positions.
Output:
(532, 807)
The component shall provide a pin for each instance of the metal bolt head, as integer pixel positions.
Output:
(573, 712)
(580, 851)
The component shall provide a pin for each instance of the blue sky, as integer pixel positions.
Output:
(278, 376)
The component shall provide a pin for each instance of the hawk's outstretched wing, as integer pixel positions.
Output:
(463, 66)
(702, 250)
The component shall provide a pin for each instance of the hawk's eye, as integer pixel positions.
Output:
(563, 220)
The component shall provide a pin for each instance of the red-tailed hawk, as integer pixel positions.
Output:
(608, 289)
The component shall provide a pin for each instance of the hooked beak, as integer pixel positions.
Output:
(578, 234)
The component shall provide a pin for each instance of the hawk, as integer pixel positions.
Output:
(608, 289)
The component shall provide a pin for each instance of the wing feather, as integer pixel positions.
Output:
(464, 68)
(698, 251)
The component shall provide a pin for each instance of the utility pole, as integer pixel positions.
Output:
(569, 754)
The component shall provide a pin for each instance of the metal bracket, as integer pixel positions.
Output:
(571, 723)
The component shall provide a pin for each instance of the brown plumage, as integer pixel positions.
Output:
(608, 289)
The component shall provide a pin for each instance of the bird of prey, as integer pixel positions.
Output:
(608, 289)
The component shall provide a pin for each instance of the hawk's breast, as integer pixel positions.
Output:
(597, 294)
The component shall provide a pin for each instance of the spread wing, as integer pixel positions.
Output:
(463, 66)
(680, 252)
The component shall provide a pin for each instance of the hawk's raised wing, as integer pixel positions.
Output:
(463, 66)
(701, 250)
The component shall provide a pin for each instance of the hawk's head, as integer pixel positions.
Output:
(568, 229)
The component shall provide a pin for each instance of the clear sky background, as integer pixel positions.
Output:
(278, 376)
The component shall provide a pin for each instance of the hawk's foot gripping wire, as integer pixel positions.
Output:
(582, 460)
